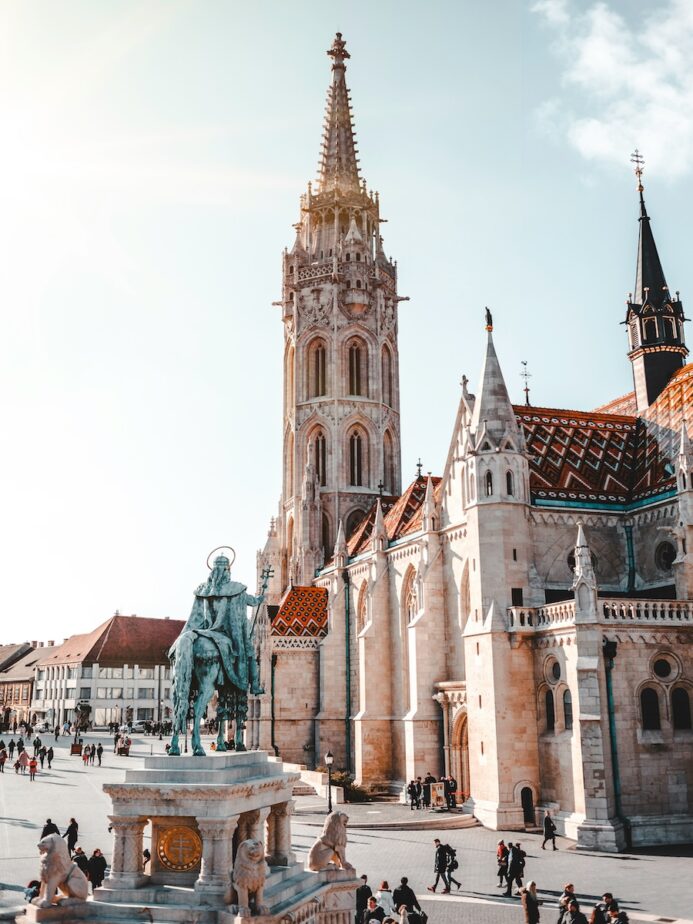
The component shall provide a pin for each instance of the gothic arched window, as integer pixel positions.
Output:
(353, 521)
(326, 534)
(567, 710)
(649, 707)
(356, 458)
(388, 463)
(509, 484)
(681, 709)
(550, 711)
(358, 368)
(362, 607)
(317, 363)
(488, 484)
(320, 457)
(386, 363)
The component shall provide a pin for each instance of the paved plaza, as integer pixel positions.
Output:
(650, 885)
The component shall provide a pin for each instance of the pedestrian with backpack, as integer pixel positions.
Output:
(452, 866)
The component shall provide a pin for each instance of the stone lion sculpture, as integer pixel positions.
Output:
(58, 872)
(329, 850)
(248, 878)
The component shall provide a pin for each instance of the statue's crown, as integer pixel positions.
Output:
(222, 560)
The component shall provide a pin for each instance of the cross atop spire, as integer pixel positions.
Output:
(338, 161)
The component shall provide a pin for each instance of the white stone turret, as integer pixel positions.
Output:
(681, 535)
(584, 581)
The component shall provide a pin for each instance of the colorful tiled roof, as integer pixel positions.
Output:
(626, 404)
(607, 458)
(402, 515)
(302, 612)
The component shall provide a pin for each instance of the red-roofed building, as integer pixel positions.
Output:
(121, 670)
(522, 621)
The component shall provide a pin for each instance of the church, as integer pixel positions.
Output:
(522, 620)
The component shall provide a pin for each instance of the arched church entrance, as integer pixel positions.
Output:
(459, 754)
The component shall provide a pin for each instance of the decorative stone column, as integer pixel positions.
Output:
(279, 852)
(257, 827)
(444, 702)
(127, 862)
(217, 836)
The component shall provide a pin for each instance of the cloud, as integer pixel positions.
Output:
(627, 84)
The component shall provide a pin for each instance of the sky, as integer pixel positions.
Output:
(152, 155)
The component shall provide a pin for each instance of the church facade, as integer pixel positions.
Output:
(523, 620)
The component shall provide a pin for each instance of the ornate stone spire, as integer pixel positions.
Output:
(338, 167)
(493, 414)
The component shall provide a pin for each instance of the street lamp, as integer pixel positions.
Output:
(329, 760)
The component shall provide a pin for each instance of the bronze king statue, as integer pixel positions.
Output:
(215, 652)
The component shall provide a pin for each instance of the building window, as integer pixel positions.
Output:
(662, 668)
(649, 706)
(387, 376)
(86, 672)
(388, 463)
(146, 673)
(411, 603)
(665, 554)
(353, 521)
(358, 365)
(681, 709)
(145, 714)
(550, 711)
(488, 483)
(326, 533)
(84, 692)
(516, 596)
(145, 693)
(356, 459)
(509, 484)
(321, 457)
(650, 327)
(567, 710)
(317, 384)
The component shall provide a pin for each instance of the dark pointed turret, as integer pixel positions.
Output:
(654, 318)
(338, 161)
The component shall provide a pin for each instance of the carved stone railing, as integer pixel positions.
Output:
(667, 612)
(536, 619)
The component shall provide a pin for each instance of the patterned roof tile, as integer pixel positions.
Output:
(302, 612)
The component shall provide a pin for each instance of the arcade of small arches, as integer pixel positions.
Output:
(356, 450)
(356, 359)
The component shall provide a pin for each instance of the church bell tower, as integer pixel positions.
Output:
(654, 318)
(341, 371)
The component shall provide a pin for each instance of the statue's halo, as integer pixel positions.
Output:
(222, 548)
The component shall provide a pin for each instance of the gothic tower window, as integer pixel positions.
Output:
(289, 377)
(326, 534)
(650, 328)
(317, 381)
(509, 484)
(358, 366)
(353, 521)
(649, 707)
(320, 457)
(361, 609)
(488, 484)
(411, 602)
(357, 468)
(386, 363)
(681, 709)
(289, 465)
(388, 463)
(567, 710)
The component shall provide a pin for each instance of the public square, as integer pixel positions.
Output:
(649, 885)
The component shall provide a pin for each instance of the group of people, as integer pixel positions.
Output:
(385, 906)
(511, 859)
(93, 867)
(419, 791)
(24, 761)
(121, 744)
(91, 753)
(605, 911)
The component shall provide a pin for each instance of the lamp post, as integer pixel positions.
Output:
(161, 704)
(329, 760)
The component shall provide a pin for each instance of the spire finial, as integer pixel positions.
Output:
(489, 320)
(638, 160)
(526, 376)
(419, 466)
(338, 52)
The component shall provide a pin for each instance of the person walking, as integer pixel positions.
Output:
(573, 915)
(81, 859)
(515, 867)
(33, 766)
(50, 754)
(384, 898)
(86, 754)
(92, 756)
(452, 866)
(428, 779)
(56, 732)
(502, 860)
(600, 912)
(72, 835)
(567, 895)
(530, 902)
(411, 792)
(440, 867)
(549, 831)
(99, 752)
(363, 893)
(97, 869)
(42, 754)
(11, 746)
(3, 758)
(452, 792)
(49, 828)
(23, 761)
(615, 915)
(405, 895)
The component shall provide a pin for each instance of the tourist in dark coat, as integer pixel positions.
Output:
(80, 858)
(49, 828)
(50, 754)
(405, 895)
(72, 835)
(363, 893)
(97, 868)
(549, 831)
(99, 753)
(516, 864)
(440, 866)
(373, 912)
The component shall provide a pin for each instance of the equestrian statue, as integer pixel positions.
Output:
(215, 652)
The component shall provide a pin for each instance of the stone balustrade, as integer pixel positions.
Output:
(536, 619)
(668, 612)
